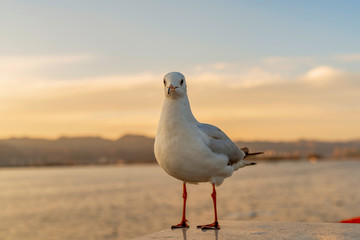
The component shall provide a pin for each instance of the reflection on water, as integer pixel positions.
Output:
(184, 230)
(216, 232)
(130, 201)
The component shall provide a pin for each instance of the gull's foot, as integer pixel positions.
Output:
(214, 225)
(183, 224)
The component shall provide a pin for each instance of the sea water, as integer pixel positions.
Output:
(122, 202)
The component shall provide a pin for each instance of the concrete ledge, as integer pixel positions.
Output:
(234, 230)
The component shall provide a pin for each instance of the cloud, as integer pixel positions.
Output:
(218, 66)
(24, 73)
(322, 75)
(288, 65)
(14, 66)
(234, 75)
(321, 103)
(257, 76)
(348, 58)
(108, 106)
(88, 92)
(280, 60)
(251, 103)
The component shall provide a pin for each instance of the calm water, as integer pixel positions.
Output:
(130, 201)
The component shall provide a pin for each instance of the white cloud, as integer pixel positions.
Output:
(234, 75)
(287, 65)
(322, 75)
(257, 76)
(17, 64)
(22, 73)
(217, 66)
(226, 94)
(36, 86)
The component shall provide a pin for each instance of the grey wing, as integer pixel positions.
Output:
(221, 143)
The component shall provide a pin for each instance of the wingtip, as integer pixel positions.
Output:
(253, 163)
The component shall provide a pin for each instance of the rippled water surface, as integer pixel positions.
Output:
(123, 202)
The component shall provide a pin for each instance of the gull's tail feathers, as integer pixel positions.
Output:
(247, 153)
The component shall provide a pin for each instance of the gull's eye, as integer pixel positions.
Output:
(164, 82)
(182, 82)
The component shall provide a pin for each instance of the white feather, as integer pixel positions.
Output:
(185, 148)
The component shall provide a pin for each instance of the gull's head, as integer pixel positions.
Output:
(174, 85)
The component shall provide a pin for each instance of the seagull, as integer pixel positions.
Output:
(191, 151)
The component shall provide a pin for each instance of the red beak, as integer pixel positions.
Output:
(171, 89)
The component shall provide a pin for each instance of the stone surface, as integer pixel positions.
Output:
(264, 230)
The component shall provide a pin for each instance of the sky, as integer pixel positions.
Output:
(259, 70)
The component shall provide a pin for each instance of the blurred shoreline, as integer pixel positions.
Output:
(138, 149)
(258, 160)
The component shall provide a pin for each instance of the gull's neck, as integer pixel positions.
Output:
(175, 110)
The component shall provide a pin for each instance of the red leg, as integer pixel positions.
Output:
(215, 224)
(183, 223)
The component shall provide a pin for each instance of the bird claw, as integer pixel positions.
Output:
(183, 224)
(214, 226)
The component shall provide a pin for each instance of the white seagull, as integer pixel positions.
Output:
(191, 151)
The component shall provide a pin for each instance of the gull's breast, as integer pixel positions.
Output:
(183, 154)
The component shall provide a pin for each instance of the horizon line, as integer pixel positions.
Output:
(153, 137)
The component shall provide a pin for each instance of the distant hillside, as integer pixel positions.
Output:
(305, 149)
(139, 149)
(76, 151)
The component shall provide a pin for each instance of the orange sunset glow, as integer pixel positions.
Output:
(101, 75)
(321, 103)
(97, 140)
